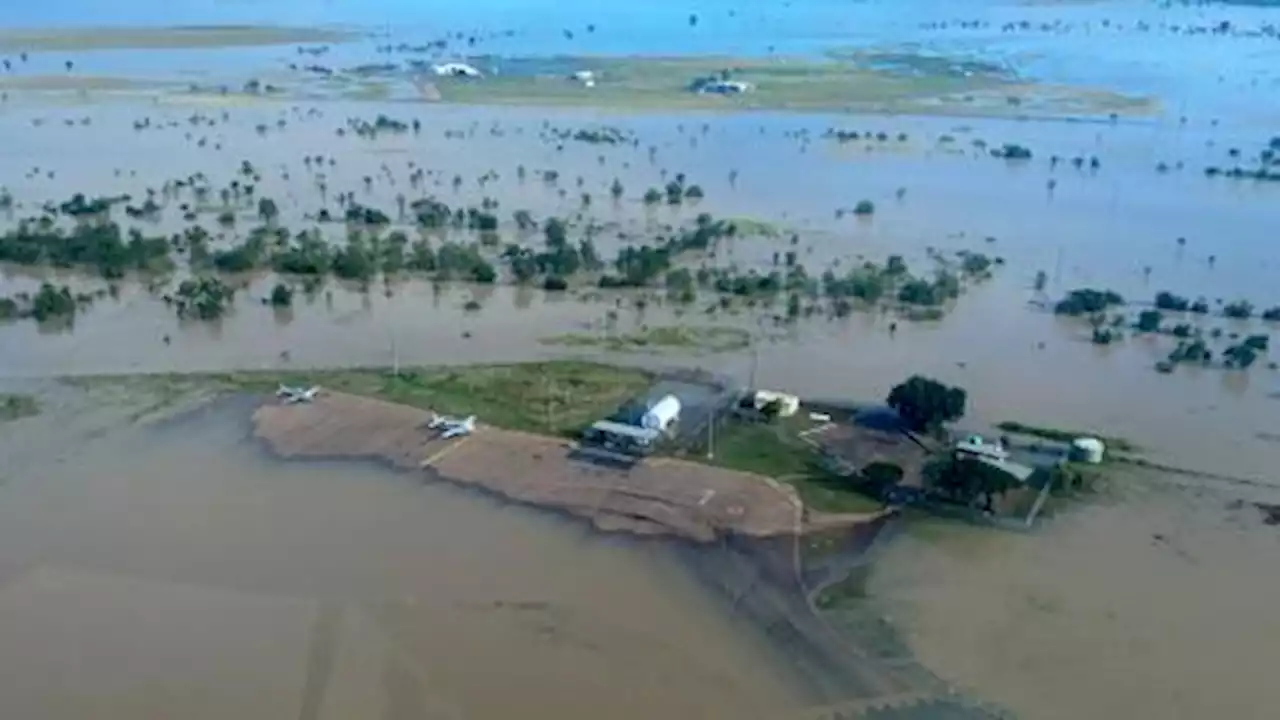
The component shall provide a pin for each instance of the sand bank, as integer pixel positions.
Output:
(164, 38)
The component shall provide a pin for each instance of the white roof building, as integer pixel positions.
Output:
(455, 69)
(977, 445)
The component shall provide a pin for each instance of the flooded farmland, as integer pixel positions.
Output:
(956, 198)
(178, 570)
(1129, 147)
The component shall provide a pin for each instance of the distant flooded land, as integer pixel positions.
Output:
(967, 311)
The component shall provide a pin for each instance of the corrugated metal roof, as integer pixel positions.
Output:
(1018, 470)
(631, 431)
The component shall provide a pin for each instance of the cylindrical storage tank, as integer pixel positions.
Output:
(1088, 450)
(661, 414)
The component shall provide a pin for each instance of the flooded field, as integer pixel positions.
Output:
(1123, 226)
(1050, 147)
(177, 570)
(1167, 589)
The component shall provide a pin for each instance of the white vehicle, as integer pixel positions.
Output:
(452, 427)
(456, 69)
(292, 395)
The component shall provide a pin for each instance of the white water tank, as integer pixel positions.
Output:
(662, 413)
(1088, 450)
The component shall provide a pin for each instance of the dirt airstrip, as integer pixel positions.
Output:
(658, 497)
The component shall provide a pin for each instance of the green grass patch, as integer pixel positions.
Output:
(16, 407)
(657, 339)
(772, 449)
(1064, 435)
(829, 493)
(554, 398)
(838, 81)
(662, 82)
(776, 449)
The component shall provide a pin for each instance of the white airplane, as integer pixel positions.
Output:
(452, 427)
(297, 394)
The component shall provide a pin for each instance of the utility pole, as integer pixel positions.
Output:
(755, 365)
(546, 403)
(395, 354)
(711, 436)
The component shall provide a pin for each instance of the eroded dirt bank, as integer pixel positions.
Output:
(659, 497)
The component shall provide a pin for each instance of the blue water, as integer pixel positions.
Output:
(1200, 74)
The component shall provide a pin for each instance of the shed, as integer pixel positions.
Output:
(979, 446)
(1020, 472)
(661, 414)
(630, 433)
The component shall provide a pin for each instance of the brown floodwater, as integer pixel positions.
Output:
(1158, 604)
(410, 600)
(1101, 229)
(177, 571)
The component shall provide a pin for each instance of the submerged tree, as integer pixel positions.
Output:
(281, 295)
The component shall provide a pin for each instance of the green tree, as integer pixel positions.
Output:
(1240, 310)
(793, 306)
(1239, 356)
(281, 295)
(591, 260)
(966, 479)
(267, 210)
(1172, 303)
(1149, 321)
(1087, 301)
(556, 232)
(483, 272)
(926, 404)
(51, 302)
(353, 262)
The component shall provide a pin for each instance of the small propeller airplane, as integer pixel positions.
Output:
(292, 395)
(452, 427)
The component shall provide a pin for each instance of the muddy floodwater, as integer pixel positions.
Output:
(1124, 226)
(1169, 590)
(175, 570)
(179, 571)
